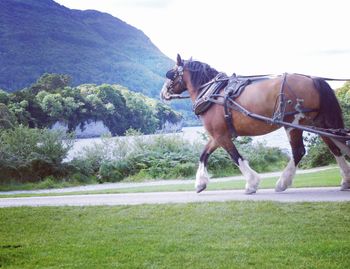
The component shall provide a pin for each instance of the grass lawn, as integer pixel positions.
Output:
(205, 235)
(326, 178)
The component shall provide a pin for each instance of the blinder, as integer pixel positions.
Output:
(171, 74)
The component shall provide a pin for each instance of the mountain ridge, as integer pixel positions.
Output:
(43, 36)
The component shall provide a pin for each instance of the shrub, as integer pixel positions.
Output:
(113, 171)
(318, 153)
(168, 156)
(32, 154)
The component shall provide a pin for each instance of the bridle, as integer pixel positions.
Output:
(176, 78)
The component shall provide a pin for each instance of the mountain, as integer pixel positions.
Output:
(41, 36)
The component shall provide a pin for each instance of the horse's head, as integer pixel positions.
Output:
(186, 75)
(174, 85)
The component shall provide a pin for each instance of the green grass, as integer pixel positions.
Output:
(326, 178)
(205, 235)
(47, 183)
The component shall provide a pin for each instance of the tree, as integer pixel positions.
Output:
(343, 95)
(4, 97)
(115, 108)
(141, 116)
(51, 82)
(165, 114)
(120, 109)
(7, 119)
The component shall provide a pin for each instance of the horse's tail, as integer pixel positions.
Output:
(330, 114)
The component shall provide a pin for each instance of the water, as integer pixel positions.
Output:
(277, 139)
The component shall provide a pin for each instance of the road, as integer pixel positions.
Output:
(291, 195)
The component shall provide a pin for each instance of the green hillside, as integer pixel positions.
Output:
(41, 36)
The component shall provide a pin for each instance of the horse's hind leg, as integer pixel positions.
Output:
(298, 151)
(202, 177)
(337, 148)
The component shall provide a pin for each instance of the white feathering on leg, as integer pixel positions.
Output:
(251, 176)
(286, 178)
(344, 171)
(202, 177)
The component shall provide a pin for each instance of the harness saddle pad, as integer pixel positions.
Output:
(233, 85)
(205, 98)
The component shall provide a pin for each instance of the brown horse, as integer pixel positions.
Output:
(321, 109)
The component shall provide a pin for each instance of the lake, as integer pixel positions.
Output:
(277, 138)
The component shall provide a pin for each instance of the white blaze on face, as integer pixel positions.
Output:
(164, 93)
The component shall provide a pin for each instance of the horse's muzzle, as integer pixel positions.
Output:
(164, 93)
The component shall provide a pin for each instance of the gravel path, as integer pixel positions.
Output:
(332, 194)
(291, 195)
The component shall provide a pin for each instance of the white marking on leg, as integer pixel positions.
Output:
(344, 171)
(286, 178)
(297, 118)
(251, 176)
(202, 177)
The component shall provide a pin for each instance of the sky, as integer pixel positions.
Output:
(247, 37)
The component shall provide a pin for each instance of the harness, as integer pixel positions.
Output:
(210, 93)
(233, 87)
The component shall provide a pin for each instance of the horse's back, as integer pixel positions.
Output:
(263, 98)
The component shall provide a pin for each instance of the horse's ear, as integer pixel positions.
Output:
(179, 60)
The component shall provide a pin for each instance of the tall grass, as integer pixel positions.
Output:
(35, 155)
(168, 156)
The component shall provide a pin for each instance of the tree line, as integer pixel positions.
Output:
(51, 100)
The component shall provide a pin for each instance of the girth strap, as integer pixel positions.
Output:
(228, 117)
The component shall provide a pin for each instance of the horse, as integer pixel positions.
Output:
(321, 109)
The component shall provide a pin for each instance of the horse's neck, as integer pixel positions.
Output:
(193, 93)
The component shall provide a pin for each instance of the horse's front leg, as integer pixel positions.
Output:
(202, 177)
(298, 151)
(252, 177)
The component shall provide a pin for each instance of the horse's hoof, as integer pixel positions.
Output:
(345, 186)
(201, 188)
(280, 188)
(250, 191)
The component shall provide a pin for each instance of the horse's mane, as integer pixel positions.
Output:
(201, 73)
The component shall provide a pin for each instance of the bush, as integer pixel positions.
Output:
(113, 171)
(163, 157)
(168, 156)
(32, 154)
(318, 153)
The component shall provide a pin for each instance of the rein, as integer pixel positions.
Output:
(179, 96)
(329, 79)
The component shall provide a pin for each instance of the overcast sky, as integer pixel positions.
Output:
(244, 36)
